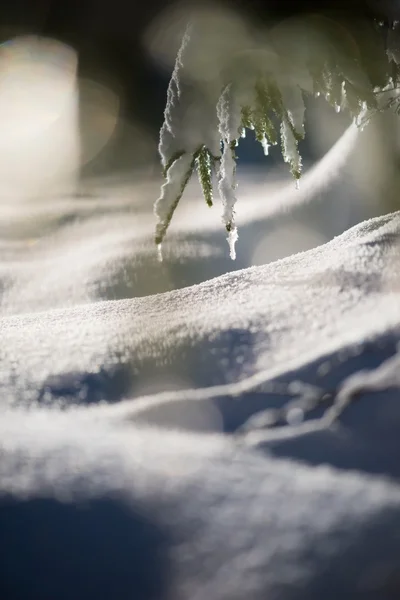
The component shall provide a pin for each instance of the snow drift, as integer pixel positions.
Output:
(230, 438)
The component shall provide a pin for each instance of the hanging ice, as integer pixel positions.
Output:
(229, 118)
(265, 145)
(226, 187)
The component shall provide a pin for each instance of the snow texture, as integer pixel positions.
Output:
(170, 434)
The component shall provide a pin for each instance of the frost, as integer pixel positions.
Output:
(289, 148)
(204, 163)
(293, 101)
(267, 99)
(178, 176)
(229, 115)
(219, 89)
(188, 139)
(169, 140)
(227, 185)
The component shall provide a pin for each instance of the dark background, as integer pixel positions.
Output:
(108, 36)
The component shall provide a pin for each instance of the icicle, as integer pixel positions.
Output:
(229, 117)
(159, 253)
(226, 187)
(232, 239)
(265, 145)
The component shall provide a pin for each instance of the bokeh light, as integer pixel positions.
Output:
(39, 143)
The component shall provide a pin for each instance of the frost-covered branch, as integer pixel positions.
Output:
(263, 87)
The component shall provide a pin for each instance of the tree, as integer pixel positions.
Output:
(258, 78)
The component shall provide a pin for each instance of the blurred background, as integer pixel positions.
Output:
(82, 92)
(125, 53)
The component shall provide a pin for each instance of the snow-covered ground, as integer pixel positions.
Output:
(198, 428)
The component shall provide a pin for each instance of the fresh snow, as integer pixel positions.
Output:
(176, 430)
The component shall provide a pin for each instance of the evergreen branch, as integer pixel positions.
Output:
(348, 75)
(171, 161)
(164, 222)
(204, 162)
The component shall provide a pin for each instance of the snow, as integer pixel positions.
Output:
(227, 78)
(294, 103)
(171, 191)
(290, 151)
(226, 188)
(221, 521)
(215, 94)
(175, 425)
(179, 429)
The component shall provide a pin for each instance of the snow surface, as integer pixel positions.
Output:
(173, 430)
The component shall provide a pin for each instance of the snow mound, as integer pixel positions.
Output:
(236, 438)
